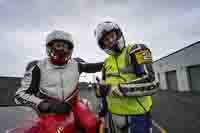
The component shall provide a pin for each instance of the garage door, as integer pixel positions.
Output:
(172, 80)
(194, 77)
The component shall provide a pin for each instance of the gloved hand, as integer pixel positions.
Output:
(50, 106)
(102, 90)
(118, 91)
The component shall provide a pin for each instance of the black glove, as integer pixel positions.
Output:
(102, 90)
(48, 106)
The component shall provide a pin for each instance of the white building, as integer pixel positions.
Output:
(180, 71)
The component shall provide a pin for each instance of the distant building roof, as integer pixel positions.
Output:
(191, 45)
(6, 77)
(9, 82)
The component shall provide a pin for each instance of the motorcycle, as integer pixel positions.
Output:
(26, 119)
(17, 118)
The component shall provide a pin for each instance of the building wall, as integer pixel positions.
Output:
(178, 61)
(8, 87)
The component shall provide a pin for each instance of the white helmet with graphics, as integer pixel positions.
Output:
(103, 29)
(59, 57)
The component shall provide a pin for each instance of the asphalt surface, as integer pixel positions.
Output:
(177, 112)
(174, 112)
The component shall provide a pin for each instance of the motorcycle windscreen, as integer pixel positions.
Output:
(12, 117)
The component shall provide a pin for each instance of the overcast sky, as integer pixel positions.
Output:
(164, 25)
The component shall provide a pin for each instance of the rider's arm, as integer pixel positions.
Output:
(145, 84)
(29, 86)
(29, 93)
(141, 59)
(89, 67)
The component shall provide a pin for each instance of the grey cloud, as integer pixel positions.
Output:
(164, 25)
(34, 14)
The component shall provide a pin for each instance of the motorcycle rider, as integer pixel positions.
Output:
(51, 85)
(129, 81)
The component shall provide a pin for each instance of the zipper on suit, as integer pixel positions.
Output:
(61, 86)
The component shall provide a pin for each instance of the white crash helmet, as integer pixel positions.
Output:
(59, 35)
(103, 29)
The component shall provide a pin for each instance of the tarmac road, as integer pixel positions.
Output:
(172, 112)
(177, 112)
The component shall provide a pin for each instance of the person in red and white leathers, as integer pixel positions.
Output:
(50, 84)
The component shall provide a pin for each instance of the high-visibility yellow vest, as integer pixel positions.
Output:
(117, 70)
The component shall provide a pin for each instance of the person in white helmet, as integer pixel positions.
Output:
(129, 81)
(51, 85)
